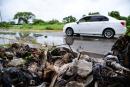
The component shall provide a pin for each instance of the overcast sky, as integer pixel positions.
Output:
(57, 9)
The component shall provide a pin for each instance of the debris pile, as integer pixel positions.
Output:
(24, 66)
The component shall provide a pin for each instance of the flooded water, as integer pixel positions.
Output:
(7, 38)
(91, 44)
(50, 40)
(78, 43)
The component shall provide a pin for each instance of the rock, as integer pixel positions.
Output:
(74, 84)
(9, 55)
(83, 67)
(16, 62)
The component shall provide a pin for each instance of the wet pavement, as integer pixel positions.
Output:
(93, 44)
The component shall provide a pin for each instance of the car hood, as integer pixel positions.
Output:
(70, 23)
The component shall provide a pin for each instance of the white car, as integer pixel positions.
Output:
(96, 25)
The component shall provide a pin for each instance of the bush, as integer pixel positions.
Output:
(53, 21)
(5, 25)
(12, 22)
(38, 21)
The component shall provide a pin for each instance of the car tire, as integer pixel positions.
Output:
(69, 32)
(108, 33)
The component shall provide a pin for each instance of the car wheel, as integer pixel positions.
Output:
(108, 33)
(69, 32)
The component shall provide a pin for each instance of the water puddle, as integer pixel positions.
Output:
(50, 40)
(92, 44)
(30, 38)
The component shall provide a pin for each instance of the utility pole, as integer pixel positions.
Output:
(0, 16)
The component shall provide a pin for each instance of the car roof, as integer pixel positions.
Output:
(94, 15)
(110, 18)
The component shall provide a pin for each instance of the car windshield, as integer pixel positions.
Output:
(85, 19)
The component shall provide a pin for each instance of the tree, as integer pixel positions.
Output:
(123, 18)
(93, 13)
(114, 14)
(69, 19)
(24, 17)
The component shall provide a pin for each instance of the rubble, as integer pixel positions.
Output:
(25, 66)
(16, 62)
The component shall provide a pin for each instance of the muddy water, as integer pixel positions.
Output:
(78, 43)
(7, 39)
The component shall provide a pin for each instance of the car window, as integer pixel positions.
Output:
(98, 18)
(93, 19)
(104, 18)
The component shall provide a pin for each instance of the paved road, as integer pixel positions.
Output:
(94, 44)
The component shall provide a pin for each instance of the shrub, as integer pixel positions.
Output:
(12, 22)
(38, 21)
(53, 21)
(5, 25)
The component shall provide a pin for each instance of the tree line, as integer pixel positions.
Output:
(25, 17)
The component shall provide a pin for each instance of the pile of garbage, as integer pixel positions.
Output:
(25, 66)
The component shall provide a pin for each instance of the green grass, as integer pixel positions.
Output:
(39, 27)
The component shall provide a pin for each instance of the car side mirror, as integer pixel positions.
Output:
(77, 22)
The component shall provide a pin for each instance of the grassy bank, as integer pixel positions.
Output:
(38, 27)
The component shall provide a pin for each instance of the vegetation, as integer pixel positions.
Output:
(54, 24)
(114, 14)
(38, 21)
(53, 21)
(24, 17)
(5, 25)
(39, 26)
(128, 20)
(69, 19)
(128, 27)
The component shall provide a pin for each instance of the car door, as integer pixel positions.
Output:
(97, 24)
(83, 25)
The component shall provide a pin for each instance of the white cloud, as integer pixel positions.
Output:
(49, 9)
